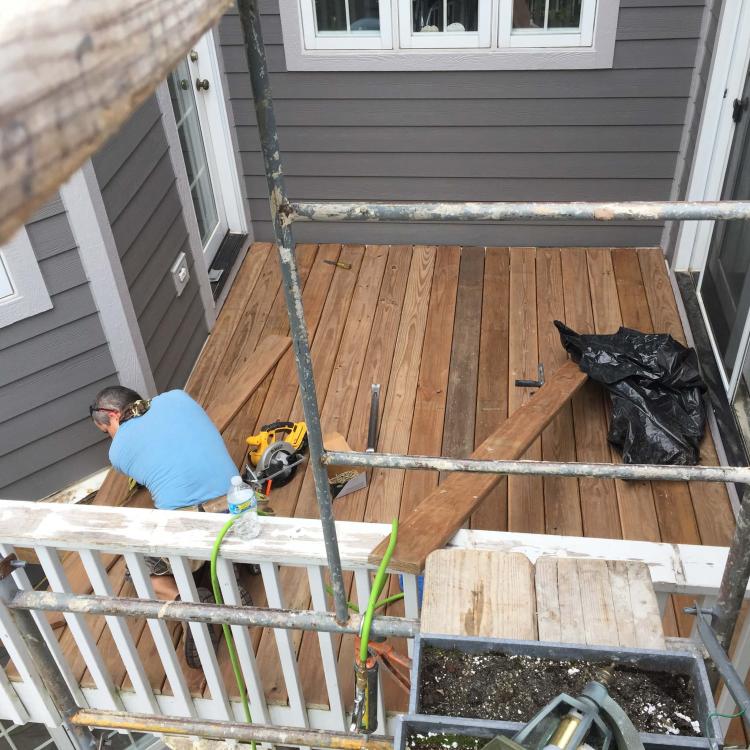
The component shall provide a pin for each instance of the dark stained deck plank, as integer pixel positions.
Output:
(525, 494)
(562, 503)
(492, 387)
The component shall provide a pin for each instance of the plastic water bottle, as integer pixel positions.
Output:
(243, 504)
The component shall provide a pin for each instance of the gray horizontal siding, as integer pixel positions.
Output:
(137, 180)
(53, 364)
(477, 135)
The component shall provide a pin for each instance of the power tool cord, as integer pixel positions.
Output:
(228, 637)
(377, 588)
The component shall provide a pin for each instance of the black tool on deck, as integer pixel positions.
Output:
(521, 383)
(372, 430)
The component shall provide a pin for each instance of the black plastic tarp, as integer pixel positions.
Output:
(658, 410)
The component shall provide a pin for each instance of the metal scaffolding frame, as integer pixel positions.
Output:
(284, 213)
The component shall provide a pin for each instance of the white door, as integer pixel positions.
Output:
(203, 128)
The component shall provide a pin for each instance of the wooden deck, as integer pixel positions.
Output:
(445, 331)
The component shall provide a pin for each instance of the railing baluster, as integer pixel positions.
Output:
(245, 653)
(161, 636)
(189, 593)
(411, 604)
(327, 654)
(285, 645)
(120, 633)
(80, 630)
(362, 579)
(22, 582)
(11, 707)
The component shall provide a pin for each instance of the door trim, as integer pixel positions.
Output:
(711, 154)
(188, 210)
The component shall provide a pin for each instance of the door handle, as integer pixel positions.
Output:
(201, 84)
(738, 107)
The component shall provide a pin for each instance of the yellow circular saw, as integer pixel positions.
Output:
(276, 451)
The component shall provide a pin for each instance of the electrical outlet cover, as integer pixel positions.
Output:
(180, 273)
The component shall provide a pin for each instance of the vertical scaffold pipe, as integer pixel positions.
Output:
(735, 578)
(256, 60)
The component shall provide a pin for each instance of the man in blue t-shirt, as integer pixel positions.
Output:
(171, 447)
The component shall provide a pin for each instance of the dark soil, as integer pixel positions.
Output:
(434, 741)
(506, 687)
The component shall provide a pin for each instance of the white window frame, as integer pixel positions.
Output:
(30, 295)
(336, 40)
(591, 47)
(445, 39)
(583, 36)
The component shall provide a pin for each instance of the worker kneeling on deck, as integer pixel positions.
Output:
(170, 446)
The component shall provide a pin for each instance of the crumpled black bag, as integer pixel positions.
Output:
(658, 411)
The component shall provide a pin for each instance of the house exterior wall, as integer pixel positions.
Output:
(51, 366)
(477, 135)
(137, 181)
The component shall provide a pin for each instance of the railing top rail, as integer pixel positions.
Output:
(299, 541)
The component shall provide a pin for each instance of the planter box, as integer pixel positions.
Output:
(687, 662)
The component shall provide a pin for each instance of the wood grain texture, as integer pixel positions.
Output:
(492, 388)
(562, 505)
(100, 62)
(525, 494)
(461, 595)
(599, 511)
(443, 511)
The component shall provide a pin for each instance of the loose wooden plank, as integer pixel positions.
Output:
(569, 595)
(202, 376)
(492, 389)
(547, 600)
(525, 494)
(460, 408)
(443, 511)
(598, 609)
(562, 505)
(226, 402)
(635, 499)
(461, 595)
(599, 511)
(624, 612)
(647, 622)
(713, 510)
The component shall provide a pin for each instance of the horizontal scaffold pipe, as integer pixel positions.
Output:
(644, 472)
(225, 730)
(50, 601)
(507, 211)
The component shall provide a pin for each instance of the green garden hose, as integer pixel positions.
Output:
(377, 588)
(228, 637)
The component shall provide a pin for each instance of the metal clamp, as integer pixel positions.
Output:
(10, 563)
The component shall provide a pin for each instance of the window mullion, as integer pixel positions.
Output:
(348, 17)
(546, 15)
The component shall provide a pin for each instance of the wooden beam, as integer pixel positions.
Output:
(438, 517)
(64, 98)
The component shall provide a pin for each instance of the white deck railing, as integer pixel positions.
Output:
(91, 532)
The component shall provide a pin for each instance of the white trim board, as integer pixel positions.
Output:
(83, 202)
(188, 211)
(711, 153)
(24, 291)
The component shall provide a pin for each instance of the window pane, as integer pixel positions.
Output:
(445, 15)
(6, 288)
(560, 14)
(564, 14)
(363, 15)
(331, 15)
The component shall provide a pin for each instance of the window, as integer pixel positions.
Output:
(444, 24)
(346, 24)
(548, 23)
(448, 34)
(22, 289)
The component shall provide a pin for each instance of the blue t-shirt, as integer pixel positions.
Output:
(175, 451)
